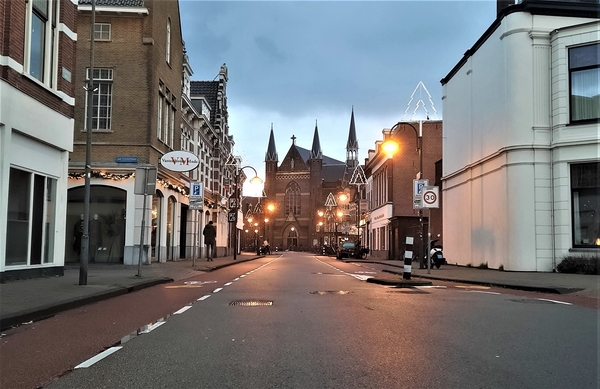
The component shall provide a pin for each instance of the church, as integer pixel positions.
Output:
(310, 200)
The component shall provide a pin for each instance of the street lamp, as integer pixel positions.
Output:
(391, 147)
(256, 180)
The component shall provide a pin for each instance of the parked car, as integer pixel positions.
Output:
(351, 250)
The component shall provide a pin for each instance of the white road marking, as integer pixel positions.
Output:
(237, 279)
(152, 327)
(430, 287)
(555, 301)
(182, 310)
(203, 297)
(229, 283)
(482, 291)
(217, 290)
(361, 277)
(98, 357)
(242, 276)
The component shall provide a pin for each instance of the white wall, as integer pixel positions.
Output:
(504, 174)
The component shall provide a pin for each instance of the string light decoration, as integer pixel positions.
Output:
(121, 177)
(103, 175)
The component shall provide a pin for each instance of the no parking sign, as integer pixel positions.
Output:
(431, 197)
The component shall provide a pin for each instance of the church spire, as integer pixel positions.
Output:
(352, 144)
(315, 152)
(271, 154)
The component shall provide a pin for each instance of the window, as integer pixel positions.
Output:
(102, 103)
(168, 41)
(584, 73)
(585, 197)
(30, 218)
(292, 199)
(40, 40)
(102, 31)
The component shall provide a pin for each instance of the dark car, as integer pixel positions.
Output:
(349, 250)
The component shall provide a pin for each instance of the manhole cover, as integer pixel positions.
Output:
(251, 303)
(321, 293)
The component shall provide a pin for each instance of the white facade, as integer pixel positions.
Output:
(509, 144)
(37, 145)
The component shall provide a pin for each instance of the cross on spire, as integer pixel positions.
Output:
(293, 138)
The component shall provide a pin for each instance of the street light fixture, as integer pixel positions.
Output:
(256, 180)
(391, 147)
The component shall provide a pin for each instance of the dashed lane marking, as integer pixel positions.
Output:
(179, 312)
(555, 301)
(98, 357)
(217, 290)
(203, 297)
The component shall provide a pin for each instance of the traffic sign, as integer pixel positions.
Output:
(232, 202)
(431, 197)
(232, 216)
(418, 186)
(196, 191)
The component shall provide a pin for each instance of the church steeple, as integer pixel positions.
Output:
(271, 154)
(352, 144)
(315, 152)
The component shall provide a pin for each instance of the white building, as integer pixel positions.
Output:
(521, 139)
(36, 134)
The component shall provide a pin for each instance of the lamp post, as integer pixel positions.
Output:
(256, 180)
(391, 147)
(85, 238)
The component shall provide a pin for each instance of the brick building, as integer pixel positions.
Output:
(37, 83)
(390, 190)
(308, 190)
(138, 77)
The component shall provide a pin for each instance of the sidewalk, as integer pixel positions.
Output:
(24, 300)
(34, 299)
(578, 284)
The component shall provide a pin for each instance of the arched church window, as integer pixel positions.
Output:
(292, 199)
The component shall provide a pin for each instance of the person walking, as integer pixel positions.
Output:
(210, 237)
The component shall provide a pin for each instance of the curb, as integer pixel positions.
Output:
(37, 314)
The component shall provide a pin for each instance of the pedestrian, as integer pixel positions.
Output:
(210, 237)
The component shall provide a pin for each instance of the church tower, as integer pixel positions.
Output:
(315, 165)
(351, 151)
(271, 160)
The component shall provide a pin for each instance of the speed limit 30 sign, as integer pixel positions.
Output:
(431, 197)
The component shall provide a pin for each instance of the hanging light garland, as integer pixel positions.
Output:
(121, 177)
(103, 175)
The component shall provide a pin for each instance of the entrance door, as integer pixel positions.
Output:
(156, 226)
(171, 214)
(183, 231)
(292, 240)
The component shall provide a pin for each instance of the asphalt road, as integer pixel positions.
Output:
(316, 324)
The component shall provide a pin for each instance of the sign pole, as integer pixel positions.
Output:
(143, 223)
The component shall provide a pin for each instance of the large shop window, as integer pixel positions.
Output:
(106, 228)
(31, 219)
(585, 194)
(584, 73)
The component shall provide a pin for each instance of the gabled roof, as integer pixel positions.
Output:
(326, 160)
(294, 161)
(209, 90)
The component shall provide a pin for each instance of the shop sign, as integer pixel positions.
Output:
(179, 161)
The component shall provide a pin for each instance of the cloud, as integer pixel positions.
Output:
(293, 62)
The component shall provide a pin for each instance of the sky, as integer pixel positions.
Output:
(294, 64)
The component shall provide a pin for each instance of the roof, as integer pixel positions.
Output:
(558, 8)
(209, 90)
(305, 154)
